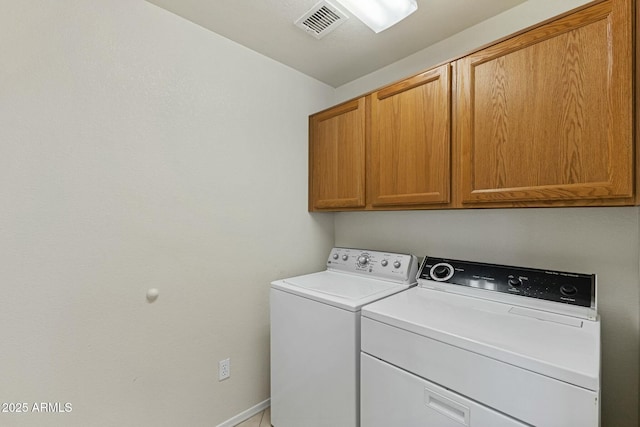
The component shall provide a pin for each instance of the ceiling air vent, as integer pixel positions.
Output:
(321, 19)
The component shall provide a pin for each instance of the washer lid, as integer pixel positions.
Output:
(346, 291)
(557, 346)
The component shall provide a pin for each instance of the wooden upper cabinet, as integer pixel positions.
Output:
(544, 118)
(548, 115)
(409, 157)
(337, 157)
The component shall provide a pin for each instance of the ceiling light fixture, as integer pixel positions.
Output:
(380, 14)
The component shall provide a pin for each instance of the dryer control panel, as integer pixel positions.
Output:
(400, 268)
(573, 289)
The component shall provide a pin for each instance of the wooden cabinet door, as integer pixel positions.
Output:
(337, 157)
(547, 115)
(410, 145)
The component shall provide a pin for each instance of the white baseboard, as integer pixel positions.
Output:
(245, 415)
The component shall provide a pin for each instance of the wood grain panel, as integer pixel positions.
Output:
(540, 117)
(633, 9)
(337, 157)
(410, 143)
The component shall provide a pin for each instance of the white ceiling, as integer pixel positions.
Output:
(349, 52)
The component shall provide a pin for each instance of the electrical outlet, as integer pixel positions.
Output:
(224, 369)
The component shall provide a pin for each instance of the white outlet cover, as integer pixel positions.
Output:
(224, 369)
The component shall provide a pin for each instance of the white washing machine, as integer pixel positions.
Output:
(483, 345)
(315, 335)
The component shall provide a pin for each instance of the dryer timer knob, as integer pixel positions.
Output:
(441, 272)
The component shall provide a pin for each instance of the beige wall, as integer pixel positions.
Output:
(600, 240)
(138, 150)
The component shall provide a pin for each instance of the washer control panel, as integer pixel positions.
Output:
(557, 286)
(391, 266)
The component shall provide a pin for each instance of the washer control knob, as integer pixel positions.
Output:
(384, 262)
(397, 264)
(345, 257)
(568, 290)
(336, 256)
(363, 260)
(441, 272)
(515, 282)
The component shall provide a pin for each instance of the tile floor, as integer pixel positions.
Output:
(263, 419)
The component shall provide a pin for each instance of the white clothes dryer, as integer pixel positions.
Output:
(483, 345)
(315, 335)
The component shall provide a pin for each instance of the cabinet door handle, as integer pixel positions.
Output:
(446, 406)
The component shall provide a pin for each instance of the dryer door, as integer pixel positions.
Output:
(393, 397)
